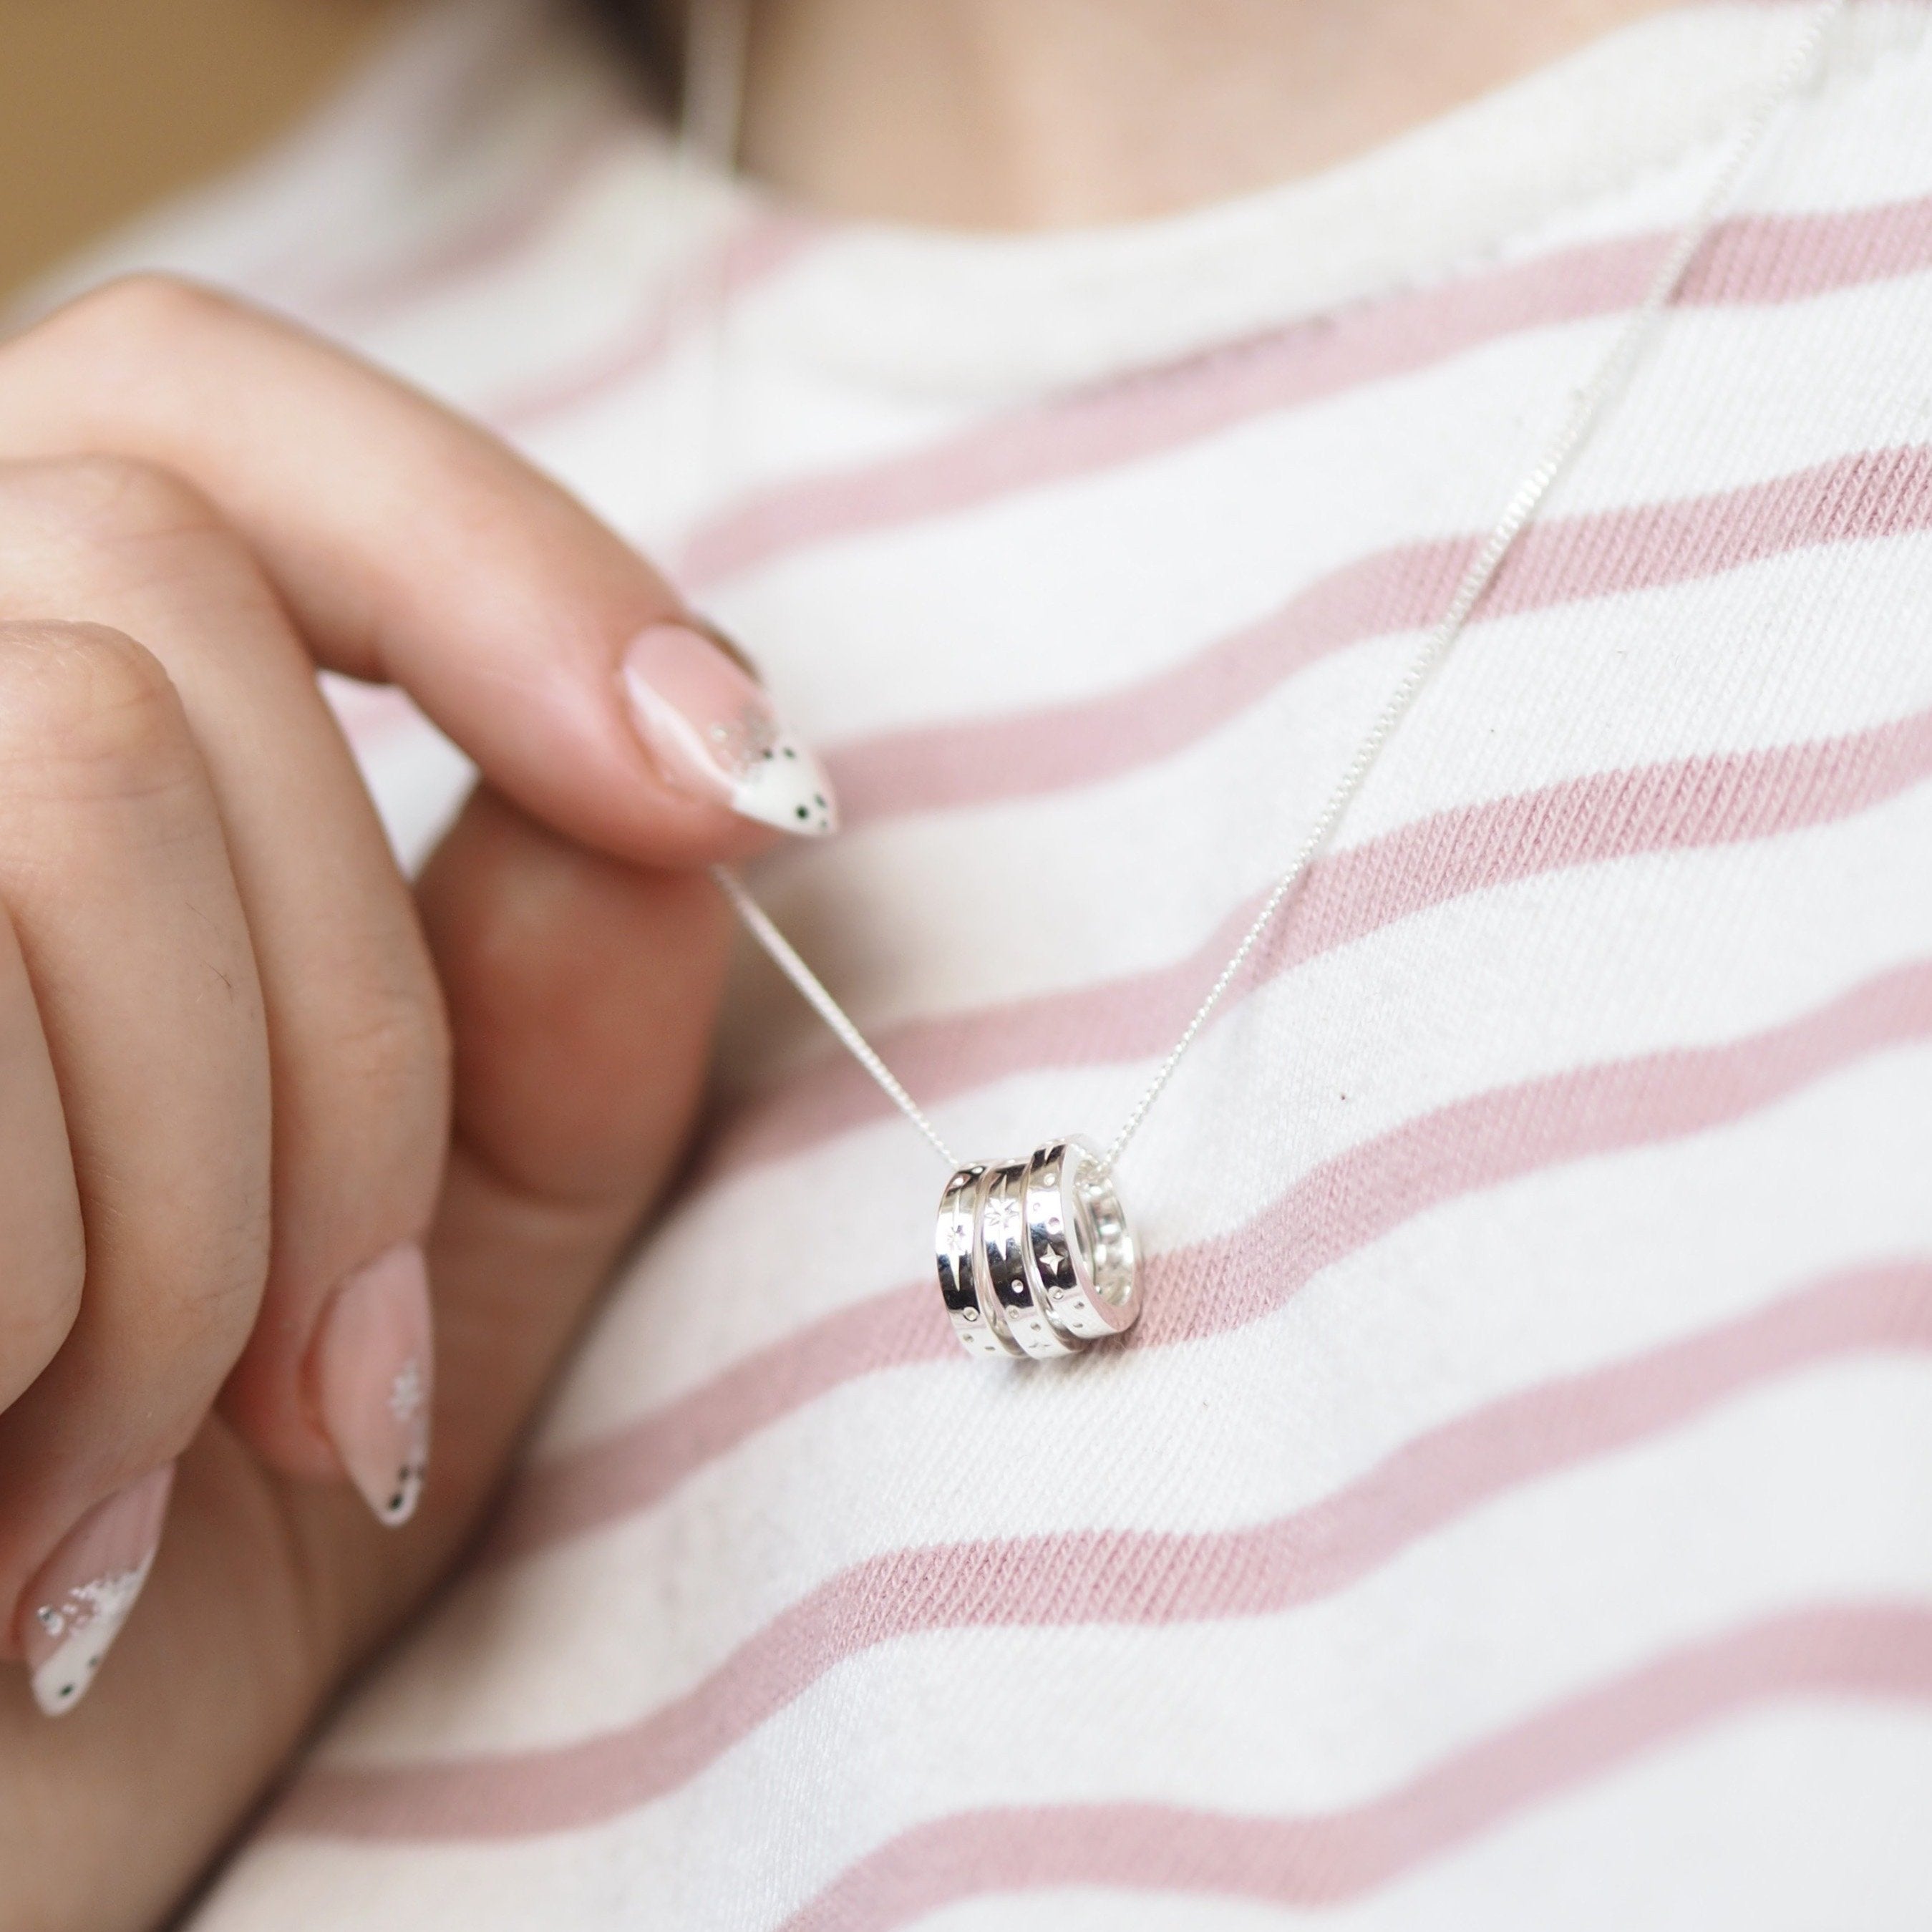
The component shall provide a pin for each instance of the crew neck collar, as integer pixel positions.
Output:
(1622, 126)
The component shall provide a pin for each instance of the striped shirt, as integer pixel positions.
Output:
(1515, 1508)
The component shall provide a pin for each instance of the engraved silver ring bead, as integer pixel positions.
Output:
(1080, 1250)
(976, 1320)
(1035, 1257)
(1008, 1288)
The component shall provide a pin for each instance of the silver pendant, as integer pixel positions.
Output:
(1035, 1257)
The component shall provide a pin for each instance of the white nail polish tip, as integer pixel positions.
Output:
(85, 1621)
(408, 1405)
(400, 1505)
(785, 786)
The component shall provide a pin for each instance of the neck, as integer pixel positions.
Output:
(1043, 113)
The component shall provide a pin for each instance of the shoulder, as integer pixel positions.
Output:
(471, 121)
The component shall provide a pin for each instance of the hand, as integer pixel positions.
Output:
(260, 1105)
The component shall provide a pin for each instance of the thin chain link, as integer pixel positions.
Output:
(1585, 410)
(784, 956)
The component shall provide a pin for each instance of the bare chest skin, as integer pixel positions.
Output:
(1026, 114)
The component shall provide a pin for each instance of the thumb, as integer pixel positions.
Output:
(582, 994)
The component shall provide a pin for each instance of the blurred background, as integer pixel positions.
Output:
(107, 105)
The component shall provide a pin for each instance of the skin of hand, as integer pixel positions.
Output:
(241, 1059)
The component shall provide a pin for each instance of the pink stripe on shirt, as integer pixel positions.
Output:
(1133, 1577)
(1752, 260)
(1354, 1199)
(1874, 1653)
(1874, 493)
(1680, 805)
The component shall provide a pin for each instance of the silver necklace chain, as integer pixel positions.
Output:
(1586, 409)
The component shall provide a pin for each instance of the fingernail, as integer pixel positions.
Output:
(712, 730)
(372, 1364)
(81, 1598)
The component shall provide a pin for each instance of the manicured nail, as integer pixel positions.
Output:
(712, 730)
(372, 1365)
(77, 1604)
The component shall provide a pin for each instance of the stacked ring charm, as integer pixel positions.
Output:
(1035, 1257)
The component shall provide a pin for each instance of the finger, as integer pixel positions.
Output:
(42, 1253)
(582, 996)
(114, 872)
(414, 549)
(357, 1042)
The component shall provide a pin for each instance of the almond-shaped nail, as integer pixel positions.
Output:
(371, 1365)
(77, 1604)
(712, 731)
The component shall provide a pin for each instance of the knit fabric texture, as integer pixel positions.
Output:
(1515, 1507)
